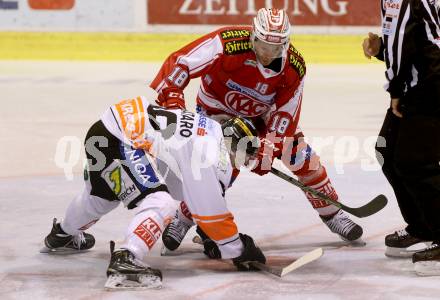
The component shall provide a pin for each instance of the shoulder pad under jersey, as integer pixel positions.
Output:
(235, 40)
(296, 61)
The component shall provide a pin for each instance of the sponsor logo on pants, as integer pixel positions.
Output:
(148, 231)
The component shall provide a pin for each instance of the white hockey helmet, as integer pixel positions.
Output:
(271, 32)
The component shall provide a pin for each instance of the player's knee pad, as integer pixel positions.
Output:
(160, 202)
(148, 224)
(143, 232)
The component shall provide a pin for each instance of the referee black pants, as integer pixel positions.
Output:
(409, 149)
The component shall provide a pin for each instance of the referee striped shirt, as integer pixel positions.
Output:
(411, 44)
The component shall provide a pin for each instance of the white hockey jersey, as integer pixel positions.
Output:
(192, 159)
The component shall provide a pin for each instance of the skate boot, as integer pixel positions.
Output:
(342, 225)
(127, 272)
(427, 261)
(59, 241)
(399, 242)
(175, 232)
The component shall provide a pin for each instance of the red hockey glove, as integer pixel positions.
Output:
(266, 154)
(171, 97)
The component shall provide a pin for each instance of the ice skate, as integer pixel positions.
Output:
(60, 242)
(402, 244)
(126, 272)
(427, 261)
(343, 226)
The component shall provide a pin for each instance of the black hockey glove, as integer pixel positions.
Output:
(250, 253)
(210, 247)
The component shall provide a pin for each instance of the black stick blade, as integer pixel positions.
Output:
(368, 209)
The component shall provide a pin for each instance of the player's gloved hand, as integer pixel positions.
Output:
(250, 253)
(210, 247)
(171, 97)
(266, 154)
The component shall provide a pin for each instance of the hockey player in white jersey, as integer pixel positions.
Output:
(146, 156)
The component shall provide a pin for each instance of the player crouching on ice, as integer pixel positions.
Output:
(253, 71)
(146, 156)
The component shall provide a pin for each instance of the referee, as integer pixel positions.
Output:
(409, 142)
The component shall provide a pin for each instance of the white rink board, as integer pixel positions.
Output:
(43, 101)
(86, 15)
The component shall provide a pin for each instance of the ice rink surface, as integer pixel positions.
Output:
(44, 103)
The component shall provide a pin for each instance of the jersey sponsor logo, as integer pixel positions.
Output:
(388, 25)
(392, 4)
(131, 114)
(252, 93)
(120, 182)
(140, 167)
(237, 47)
(148, 231)
(201, 126)
(297, 62)
(244, 105)
(233, 33)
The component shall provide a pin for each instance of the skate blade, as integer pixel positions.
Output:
(164, 251)
(61, 250)
(121, 282)
(395, 252)
(355, 243)
(427, 268)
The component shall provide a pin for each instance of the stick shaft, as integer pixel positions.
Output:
(368, 209)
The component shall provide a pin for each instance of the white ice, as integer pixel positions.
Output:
(42, 102)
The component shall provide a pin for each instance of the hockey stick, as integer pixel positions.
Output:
(280, 272)
(366, 210)
(303, 260)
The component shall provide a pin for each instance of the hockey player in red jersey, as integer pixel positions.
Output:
(252, 71)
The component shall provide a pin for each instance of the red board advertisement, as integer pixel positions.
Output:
(301, 12)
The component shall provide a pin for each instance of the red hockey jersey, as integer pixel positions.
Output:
(234, 83)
